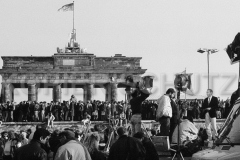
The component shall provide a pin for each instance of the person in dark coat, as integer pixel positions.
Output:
(126, 147)
(210, 105)
(25, 111)
(31, 111)
(138, 96)
(4, 112)
(55, 111)
(54, 142)
(34, 150)
(66, 110)
(151, 152)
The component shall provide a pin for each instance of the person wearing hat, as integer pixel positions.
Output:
(71, 148)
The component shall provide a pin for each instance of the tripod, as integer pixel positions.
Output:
(113, 124)
(129, 129)
(178, 152)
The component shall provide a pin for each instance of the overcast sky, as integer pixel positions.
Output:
(165, 33)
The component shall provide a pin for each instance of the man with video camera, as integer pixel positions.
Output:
(138, 95)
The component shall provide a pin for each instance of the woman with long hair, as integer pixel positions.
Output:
(92, 144)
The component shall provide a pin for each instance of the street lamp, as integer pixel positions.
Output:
(208, 51)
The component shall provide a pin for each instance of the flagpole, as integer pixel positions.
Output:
(73, 25)
(186, 89)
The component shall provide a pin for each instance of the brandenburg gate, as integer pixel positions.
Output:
(67, 70)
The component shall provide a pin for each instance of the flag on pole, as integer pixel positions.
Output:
(67, 7)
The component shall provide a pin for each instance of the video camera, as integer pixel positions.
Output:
(145, 82)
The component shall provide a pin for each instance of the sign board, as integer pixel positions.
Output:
(68, 62)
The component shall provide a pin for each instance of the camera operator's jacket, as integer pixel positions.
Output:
(164, 107)
(136, 102)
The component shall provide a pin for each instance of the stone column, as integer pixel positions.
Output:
(84, 93)
(32, 90)
(7, 95)
(12, 92)
(57, 93)
(89, 90)
(108, 92)
(113, 91)
(2, 93)
(37, 93)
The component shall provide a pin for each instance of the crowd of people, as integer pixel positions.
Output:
(27, 111)
(69, 144)
(41, 144)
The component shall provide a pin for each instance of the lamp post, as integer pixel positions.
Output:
(208, 51)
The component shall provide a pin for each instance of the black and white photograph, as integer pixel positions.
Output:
(119, 80)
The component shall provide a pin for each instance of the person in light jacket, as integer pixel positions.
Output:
(71, 149)
(187, 130)
(164, 111)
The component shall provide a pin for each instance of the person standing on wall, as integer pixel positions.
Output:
(164, 111)
(210, 105)
(138, 96)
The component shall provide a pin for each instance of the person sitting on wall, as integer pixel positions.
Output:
(87, 121)
(50, 118)
(190, 137)
(187, 129)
